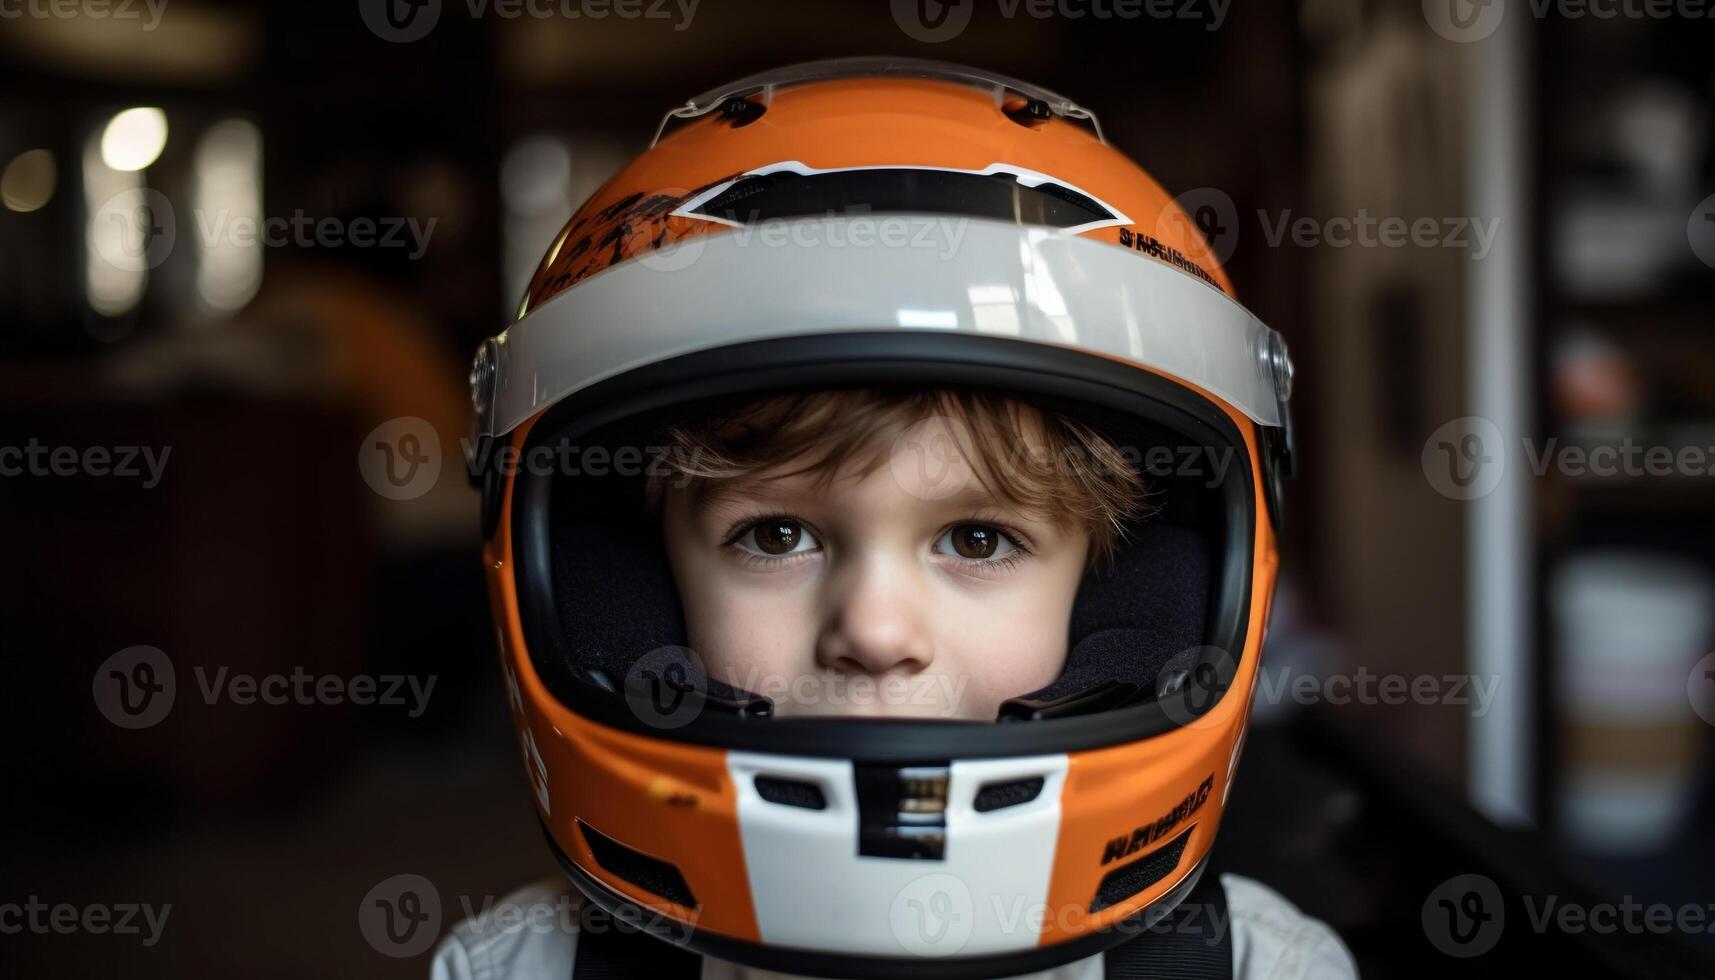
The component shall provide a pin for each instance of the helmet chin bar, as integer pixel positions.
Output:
(817, 963)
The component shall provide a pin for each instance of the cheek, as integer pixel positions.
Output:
(1011, 641)
(738, 626)
(747, 631)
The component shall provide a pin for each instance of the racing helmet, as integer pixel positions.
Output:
(741, 255)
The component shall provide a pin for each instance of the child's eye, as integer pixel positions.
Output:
(977, 542)
(774, 537)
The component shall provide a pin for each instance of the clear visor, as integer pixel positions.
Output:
(882, 273)
(762, 86)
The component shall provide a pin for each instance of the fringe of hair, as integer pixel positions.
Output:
(1039, 462)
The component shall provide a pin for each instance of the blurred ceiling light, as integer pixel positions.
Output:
(134, 138)
(28, 182)
(536, 186)
(229, 194)
(114, 288)
(134, 43)
(535, 175)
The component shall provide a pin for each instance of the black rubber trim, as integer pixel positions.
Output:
(814, 963)
(890, 357)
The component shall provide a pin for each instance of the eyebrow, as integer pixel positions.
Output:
(724, 491)
(727, 493)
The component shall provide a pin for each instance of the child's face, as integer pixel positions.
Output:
(880, 594)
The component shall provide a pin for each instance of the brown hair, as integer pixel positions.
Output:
(1068, 474)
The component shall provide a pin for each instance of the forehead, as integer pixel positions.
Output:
(951, 460)
(875, 497)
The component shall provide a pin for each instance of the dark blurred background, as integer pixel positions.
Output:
(1556, 307)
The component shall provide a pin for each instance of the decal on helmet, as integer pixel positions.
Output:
(1156, 249)
(1127, 845)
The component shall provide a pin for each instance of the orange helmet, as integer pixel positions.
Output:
(741, 252)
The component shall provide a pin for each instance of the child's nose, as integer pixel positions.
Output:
(877, 622)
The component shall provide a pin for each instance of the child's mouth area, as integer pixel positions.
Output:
(836, 694)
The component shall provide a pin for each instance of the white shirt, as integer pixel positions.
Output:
(532, 935)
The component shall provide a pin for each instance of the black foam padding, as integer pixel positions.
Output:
(1129, 620)
(617, 598)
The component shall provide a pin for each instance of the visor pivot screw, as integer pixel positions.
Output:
(741, 111)
(483, 370)
(1027, 112)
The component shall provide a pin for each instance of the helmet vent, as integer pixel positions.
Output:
(998, 796)
(791, 792)
(786, 193)
(650, 874)
(1124, 882)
